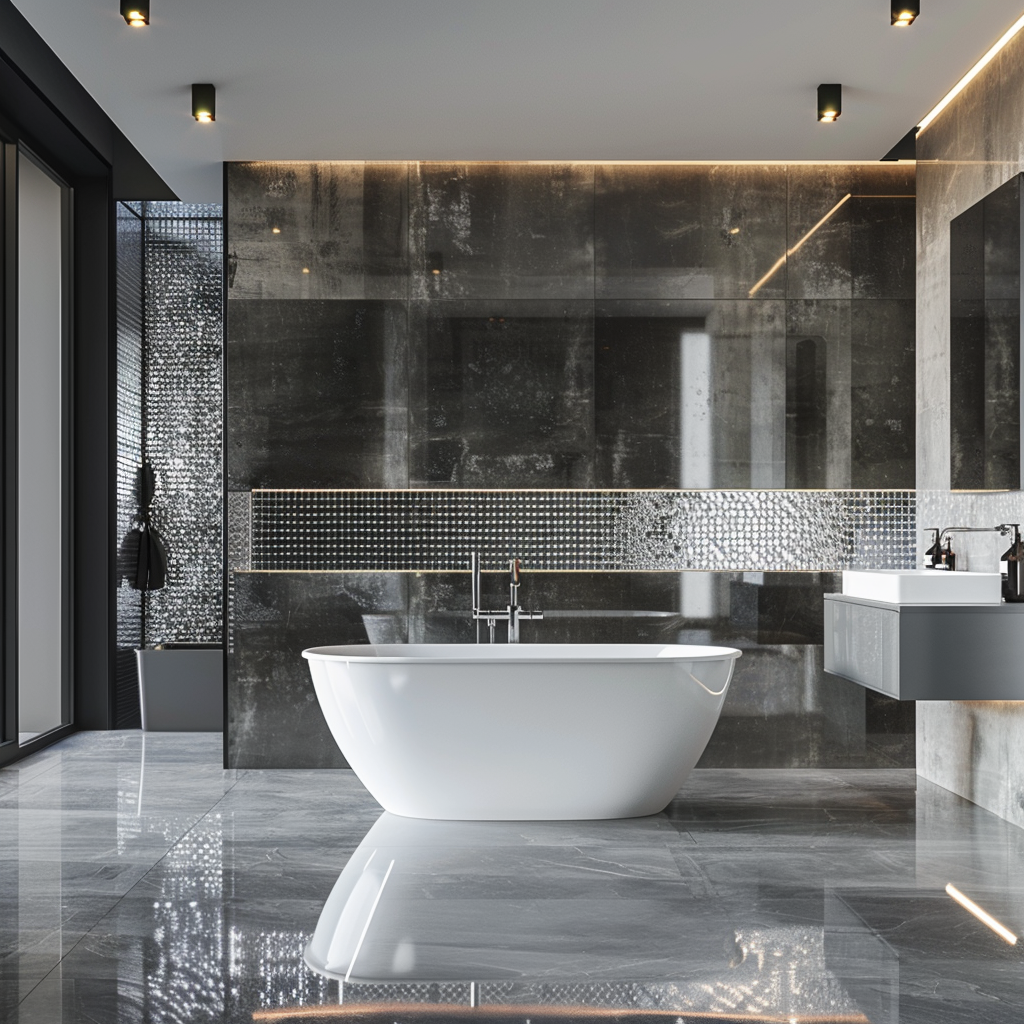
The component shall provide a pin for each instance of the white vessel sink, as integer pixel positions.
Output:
(923, 586)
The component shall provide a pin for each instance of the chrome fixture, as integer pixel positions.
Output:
(943, 557)
(1004, 529)
(513, 613)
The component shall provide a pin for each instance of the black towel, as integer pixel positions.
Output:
(144, 559)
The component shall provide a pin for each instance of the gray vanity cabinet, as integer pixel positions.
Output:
(927, 652)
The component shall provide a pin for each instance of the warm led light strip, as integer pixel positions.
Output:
(789, 252)
(986, 919)
(971, 75)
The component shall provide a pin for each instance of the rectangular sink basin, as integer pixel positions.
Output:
(923, 586)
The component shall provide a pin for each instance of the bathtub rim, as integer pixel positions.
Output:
(525, 654)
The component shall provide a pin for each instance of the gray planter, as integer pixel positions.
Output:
(181, 688)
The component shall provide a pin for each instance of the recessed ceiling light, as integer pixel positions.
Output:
(135, 12)
(276, 231)
(204, 103)
(830, 102)
(903, 14)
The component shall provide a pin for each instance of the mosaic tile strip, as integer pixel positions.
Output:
(182, 416)
(129, 408)
(800, 531)
(239, 530)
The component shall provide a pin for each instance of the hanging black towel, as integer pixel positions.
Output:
(143, 556)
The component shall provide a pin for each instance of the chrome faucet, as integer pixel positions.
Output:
(513, 612)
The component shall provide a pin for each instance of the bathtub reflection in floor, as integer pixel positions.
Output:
(494, 914)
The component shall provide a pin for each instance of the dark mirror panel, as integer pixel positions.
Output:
(984, 343)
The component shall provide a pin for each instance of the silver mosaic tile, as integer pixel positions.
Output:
(182, 416)
(129, 408)
(239, 515)
(801, 531)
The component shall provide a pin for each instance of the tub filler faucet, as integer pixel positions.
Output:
(512, 614)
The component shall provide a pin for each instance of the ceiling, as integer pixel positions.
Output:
(512, 79)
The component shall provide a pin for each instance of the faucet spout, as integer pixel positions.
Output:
(512, 613)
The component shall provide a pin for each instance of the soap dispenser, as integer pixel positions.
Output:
(947, 558)
(1011, 565)
(933, 556)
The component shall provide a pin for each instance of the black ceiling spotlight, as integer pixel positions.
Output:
(904, 12)
(830, 102)
(204, 103)
(135, 12)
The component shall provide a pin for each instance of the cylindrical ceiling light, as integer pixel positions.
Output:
(135, 12)
(830, 102)
(204, 102)
(903, 13)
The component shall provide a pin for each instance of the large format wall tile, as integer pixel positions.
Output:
(503, 230)
(689, 231)
(273, 718)
(690, 393)
(316, 394)
(329, 230)
(850, 230)
(882, 392)
(501, 391)
(813, 460)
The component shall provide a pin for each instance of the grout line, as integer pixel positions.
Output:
(134, 885)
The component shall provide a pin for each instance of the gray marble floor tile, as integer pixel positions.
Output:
(801, 893)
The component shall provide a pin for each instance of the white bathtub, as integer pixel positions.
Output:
(522, 731)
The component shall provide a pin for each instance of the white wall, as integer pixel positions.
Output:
(40, 558)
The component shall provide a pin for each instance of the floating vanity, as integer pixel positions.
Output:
(926, 635)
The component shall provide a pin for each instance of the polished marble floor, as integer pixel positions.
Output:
(141, 882)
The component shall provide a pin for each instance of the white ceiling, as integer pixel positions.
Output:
(512, 79)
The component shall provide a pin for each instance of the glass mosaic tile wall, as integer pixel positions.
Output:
(183, 430)
(768, 531)
(170, 352)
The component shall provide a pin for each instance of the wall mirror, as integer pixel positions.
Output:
(985, 343)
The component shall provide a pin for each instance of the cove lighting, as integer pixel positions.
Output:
(830, 102)
(135, 12)
(903, 14)
(204, 103)
(986, 919)
(972, 74)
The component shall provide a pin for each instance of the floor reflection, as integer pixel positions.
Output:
(502, 918)
(150, 885)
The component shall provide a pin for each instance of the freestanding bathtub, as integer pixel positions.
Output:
(523, 731)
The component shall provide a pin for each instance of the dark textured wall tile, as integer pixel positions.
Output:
(501, 395)
(341, 230)
(689, 231)
(690, 393)
(826, 322)
(502, 231)
(316, 394)
(882, 239)
(883, 391)
(840, 252)
(274, 718)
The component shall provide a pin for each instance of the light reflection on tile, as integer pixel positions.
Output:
(188, 893)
